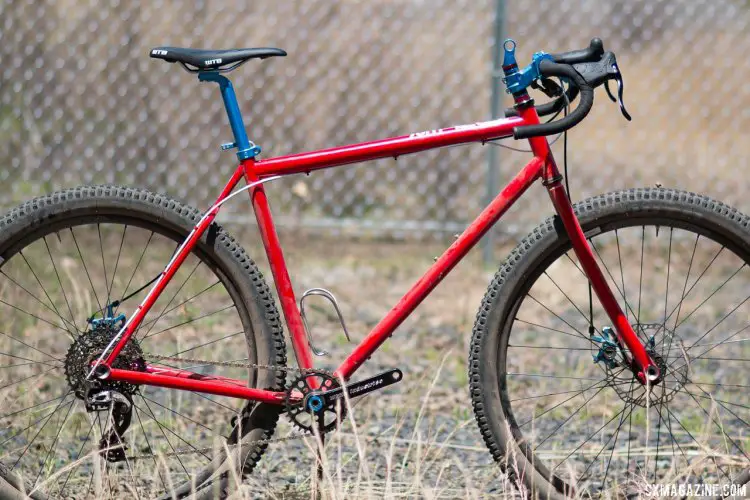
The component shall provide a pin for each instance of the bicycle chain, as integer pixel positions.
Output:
(237, 364)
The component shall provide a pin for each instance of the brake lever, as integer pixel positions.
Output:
(620, 91)
(609, 92)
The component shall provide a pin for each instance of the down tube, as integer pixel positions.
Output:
(440, 269)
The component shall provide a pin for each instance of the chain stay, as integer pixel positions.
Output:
(238, 364)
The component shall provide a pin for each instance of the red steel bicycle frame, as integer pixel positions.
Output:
(542, 166)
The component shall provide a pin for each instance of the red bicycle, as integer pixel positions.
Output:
(611, 346)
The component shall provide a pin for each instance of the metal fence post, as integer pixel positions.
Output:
(495, 110)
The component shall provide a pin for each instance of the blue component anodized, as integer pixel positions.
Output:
(517, 80)
(315, 404)
(606, 341)
(245, 149)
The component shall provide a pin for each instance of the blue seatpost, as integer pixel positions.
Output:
(245, 148)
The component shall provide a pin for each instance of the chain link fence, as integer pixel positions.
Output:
(81, 102)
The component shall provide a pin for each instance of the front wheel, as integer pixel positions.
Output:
(555, 400)
(73, 266)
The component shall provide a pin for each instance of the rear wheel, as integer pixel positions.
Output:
(65, 258)
(555, 401)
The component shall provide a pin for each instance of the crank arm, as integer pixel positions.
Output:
(363, 387)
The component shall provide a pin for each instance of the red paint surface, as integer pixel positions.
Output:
(220, 388)
(541, 166)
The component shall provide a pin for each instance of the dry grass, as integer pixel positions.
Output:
(419, 438)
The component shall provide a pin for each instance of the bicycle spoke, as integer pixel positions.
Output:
(162, 428)
(62, 287)
(580, 334)
(712, 294)
(29, 346)
(575, 395)
(614, 282)
(666, 294)
(137, 265)
(40, 430)
(148, 444)
(622, 275)
(86, 270)
(104, 265)
(719, 322)
(54, 311)
(640, 280)
(551, 347)
(28, 378)
(117, 263)
(617, 433)
(161, 314)
(78, 456)
(711, 457)
(599, 390)
(30, 408)
(678, 307)
(203, 316)
(583, 315)
(550, 329)
(620, 414)
(209, 287)
(54, 443)
(723, 406)
(714, 345)
(34, 316)
(175, 412)
(231, 335)
(669, 429)
(44, 289)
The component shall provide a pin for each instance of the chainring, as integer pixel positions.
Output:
(301, 415)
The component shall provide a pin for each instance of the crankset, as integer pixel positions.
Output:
(355, 389)
(318, 406)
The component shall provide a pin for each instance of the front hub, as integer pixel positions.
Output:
(620, 369)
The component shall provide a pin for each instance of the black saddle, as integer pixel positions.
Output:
(211, 60)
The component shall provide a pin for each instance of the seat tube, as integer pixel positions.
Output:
(284, 288)
(644, 365)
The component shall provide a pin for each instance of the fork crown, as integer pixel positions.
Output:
(245, 148)
(517, 80)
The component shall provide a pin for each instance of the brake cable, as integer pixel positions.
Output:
(564, 135)
(116, 303)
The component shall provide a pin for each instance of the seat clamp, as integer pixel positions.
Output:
(251, 152)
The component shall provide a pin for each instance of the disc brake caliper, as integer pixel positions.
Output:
(608, 348)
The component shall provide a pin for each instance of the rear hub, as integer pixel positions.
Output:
(112, 397)
(86, 350)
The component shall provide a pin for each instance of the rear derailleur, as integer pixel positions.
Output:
(119, 411)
